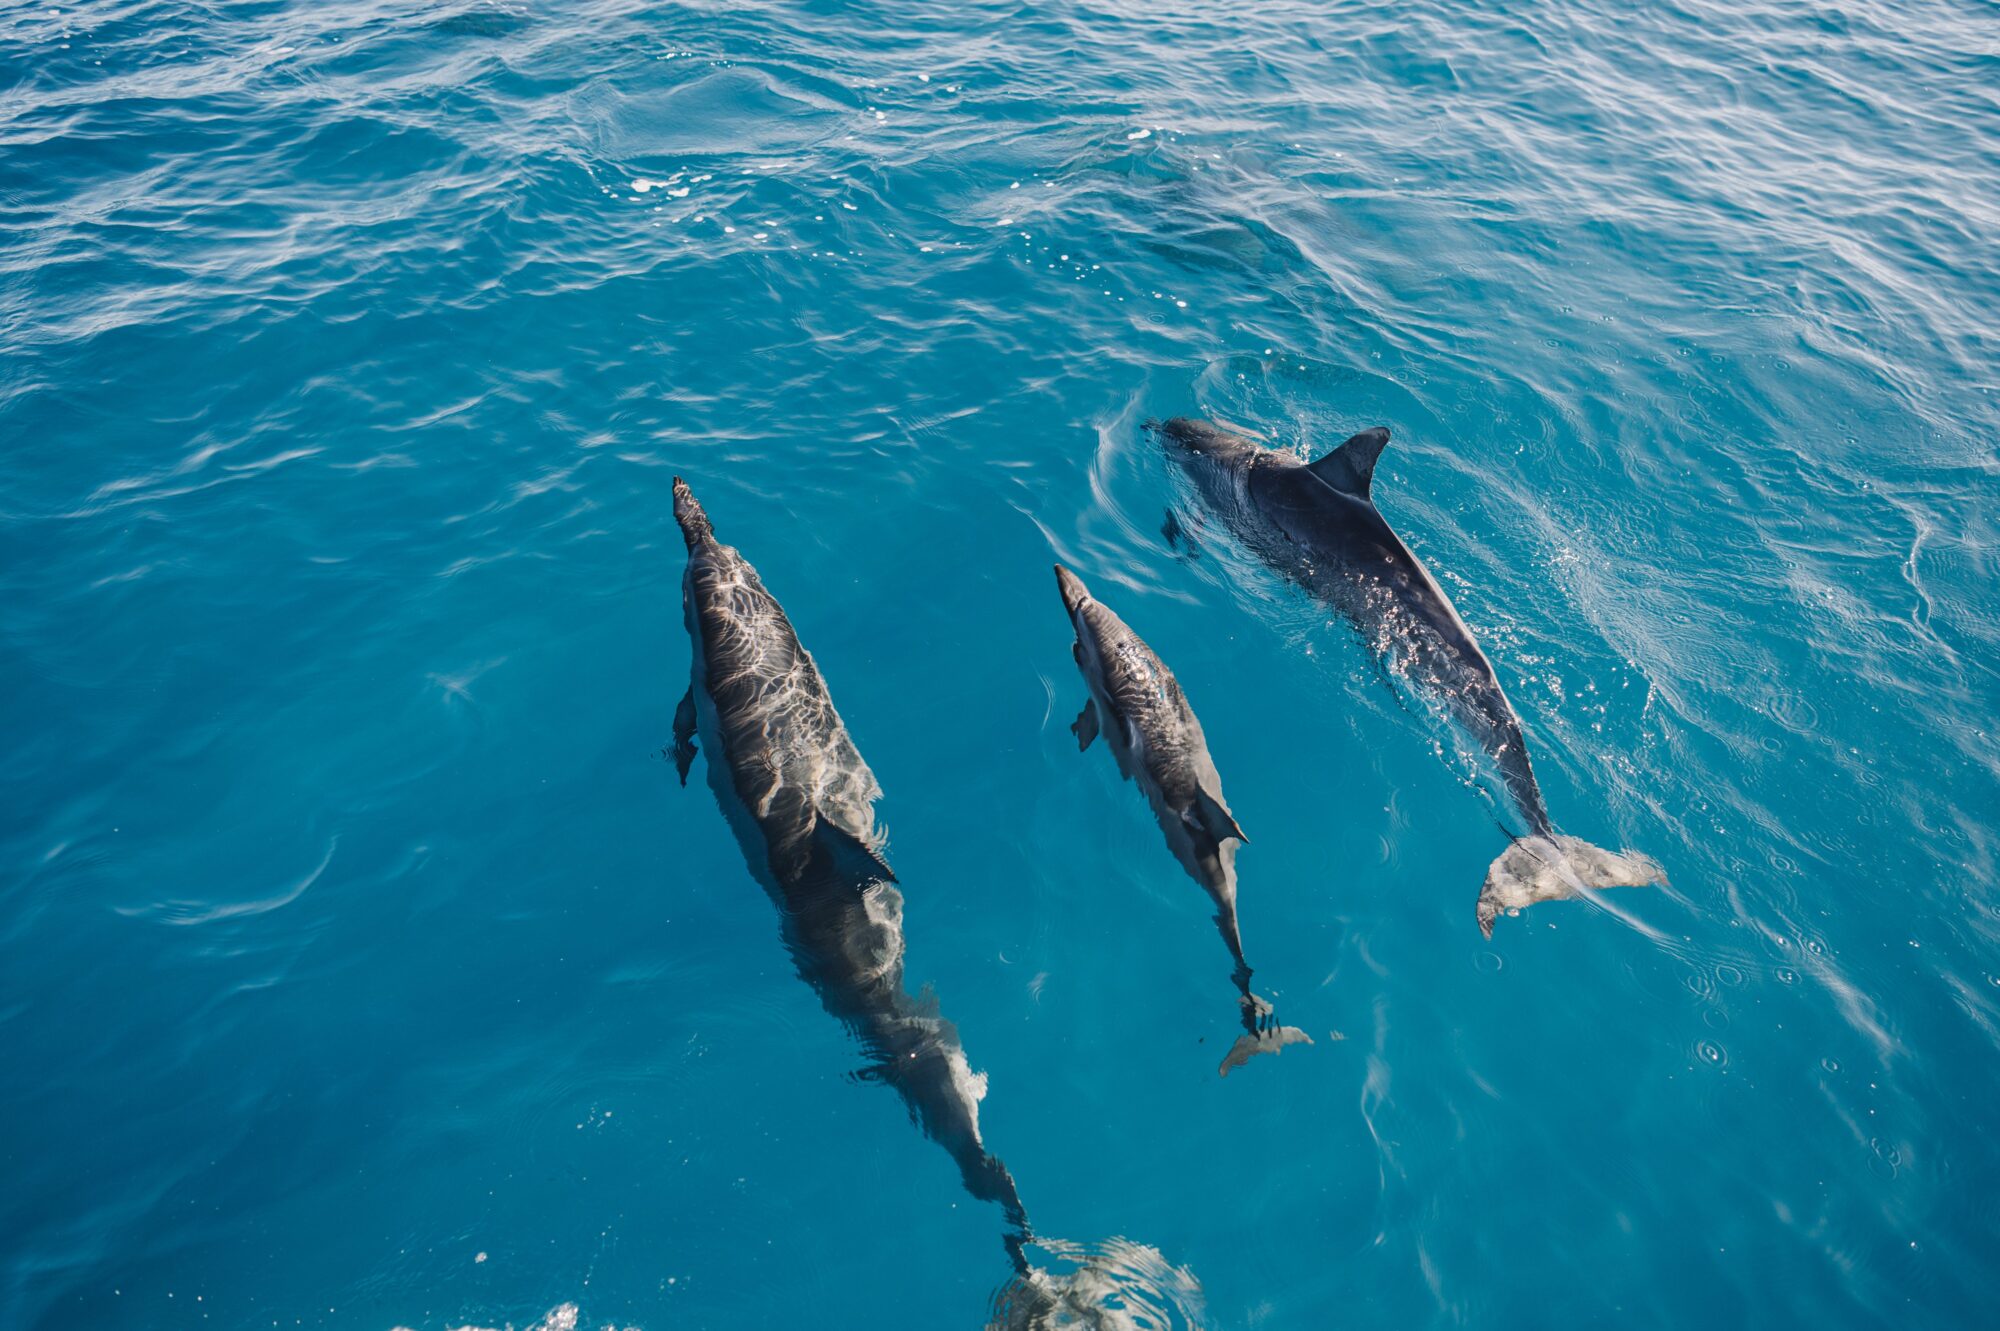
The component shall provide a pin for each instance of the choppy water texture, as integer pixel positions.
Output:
(363, 964)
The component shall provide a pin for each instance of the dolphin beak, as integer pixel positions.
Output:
(688, 513)
(1179, 432)
(1074, 593)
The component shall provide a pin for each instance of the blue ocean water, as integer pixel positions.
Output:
(364, 965)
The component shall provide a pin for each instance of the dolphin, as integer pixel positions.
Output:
(801, 802)
(1136, 702)
(1317, 524)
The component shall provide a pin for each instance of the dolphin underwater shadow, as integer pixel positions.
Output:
(1316, 523)
(800, 800)
(1147, 723)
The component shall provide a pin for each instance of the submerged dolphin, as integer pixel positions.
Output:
(1138, 704)
(801, 801)
(1317, 524)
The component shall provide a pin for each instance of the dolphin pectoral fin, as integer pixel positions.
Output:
(684, 726)
(1085, 725)
(1178, 537)
(1351, 467)
(853, 857)
(1209, 815)
(1125, 735)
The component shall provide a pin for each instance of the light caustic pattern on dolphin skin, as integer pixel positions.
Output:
(782, 752)
(754, 659)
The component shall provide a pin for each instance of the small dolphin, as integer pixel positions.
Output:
(801, 802)
(1317, 524)
(1159, 745)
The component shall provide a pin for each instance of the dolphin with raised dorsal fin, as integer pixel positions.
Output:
(1317, 524)
(801, 802)
(1137, 704)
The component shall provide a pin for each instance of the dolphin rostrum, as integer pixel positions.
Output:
(801, 801)
(1317, 524)
(1137, 704)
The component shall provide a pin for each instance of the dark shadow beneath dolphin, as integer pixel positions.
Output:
(1317, 524)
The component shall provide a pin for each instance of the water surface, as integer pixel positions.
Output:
(363, 964)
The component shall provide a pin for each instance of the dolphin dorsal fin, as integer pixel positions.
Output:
(1218, 821)
(1351, 467)
(852, 857)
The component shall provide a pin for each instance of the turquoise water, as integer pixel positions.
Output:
(363, 963)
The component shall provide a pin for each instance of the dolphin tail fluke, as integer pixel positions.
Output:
(1261, 1032)
(1270, 1040)
(1552, 867)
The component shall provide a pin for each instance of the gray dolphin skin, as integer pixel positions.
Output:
(801, 802)
(1317, 524)
(1138, 705)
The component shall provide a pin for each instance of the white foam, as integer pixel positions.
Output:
(564, 1317)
